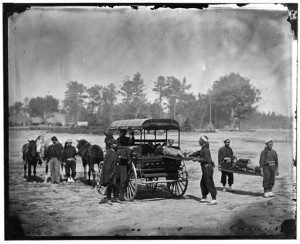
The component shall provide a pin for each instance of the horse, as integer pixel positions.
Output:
(42, 147)
(30, 157)
(91, 155)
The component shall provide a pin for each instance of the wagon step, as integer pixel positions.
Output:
(161, 181)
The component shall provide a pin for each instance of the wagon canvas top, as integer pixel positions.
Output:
(147, 124)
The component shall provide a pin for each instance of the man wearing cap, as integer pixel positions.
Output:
(110, 174)
(69, 160)
(108, 136)
(225, 154)
(123, 140)
(207, 183)
(268, 167)
(170, 144)
(54, 158)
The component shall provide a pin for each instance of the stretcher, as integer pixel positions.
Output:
(236, 171)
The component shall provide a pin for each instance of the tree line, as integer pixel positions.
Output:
(231, 97)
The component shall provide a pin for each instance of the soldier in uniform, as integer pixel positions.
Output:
(225, 154)
(69, 160)
(268, 167)
(110, 175)
(207, 166)
(54, 158)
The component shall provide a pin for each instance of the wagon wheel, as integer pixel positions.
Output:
(99, 188)
(151, 187)
(131, 189)
(178, 188)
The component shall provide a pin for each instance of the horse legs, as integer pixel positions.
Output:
(34, 170)
(84, 173)
(46, 171)
(92, 170)
(89, 174)
(25, 168)
(29, 170)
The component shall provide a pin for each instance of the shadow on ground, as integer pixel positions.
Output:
(240, 192)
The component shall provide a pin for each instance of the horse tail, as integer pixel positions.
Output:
(24, 151)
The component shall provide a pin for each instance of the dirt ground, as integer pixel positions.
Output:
(43, 210)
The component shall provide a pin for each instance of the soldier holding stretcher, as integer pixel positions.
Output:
(269, 167)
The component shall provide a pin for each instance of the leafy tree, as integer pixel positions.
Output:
(94, 98)
(43, 107)
(235, 96)
(175, 92)
(109, 98)
(16, 108)
(186, 126)
(127, 89)
(159, 88)
(74, 102)
(134, 97)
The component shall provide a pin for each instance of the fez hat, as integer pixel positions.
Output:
(53, 138)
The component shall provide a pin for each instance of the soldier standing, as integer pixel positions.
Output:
(268, 167)
(54, 158)
(207, 183)
(225, 154)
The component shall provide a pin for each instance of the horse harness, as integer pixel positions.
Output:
(84, 151)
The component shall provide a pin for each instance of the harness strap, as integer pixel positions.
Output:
(83, 150)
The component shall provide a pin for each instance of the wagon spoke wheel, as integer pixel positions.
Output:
(151, 187)
(178, 188)
(131, 189)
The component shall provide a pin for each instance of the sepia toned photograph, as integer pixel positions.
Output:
(150, 121)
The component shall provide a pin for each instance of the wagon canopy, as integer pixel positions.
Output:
(146, 124)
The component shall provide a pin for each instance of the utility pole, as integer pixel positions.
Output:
(210, 108)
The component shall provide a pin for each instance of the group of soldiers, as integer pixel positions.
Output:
(116, 165)
(268, 168)
(56, 156)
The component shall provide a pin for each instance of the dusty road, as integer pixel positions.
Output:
(46, 210)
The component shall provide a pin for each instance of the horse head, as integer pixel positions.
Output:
(81, 146)
(32, 151)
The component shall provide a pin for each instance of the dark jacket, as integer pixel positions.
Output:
(54, 150)
(110, 170)
(225, 152)
(69, 152)
(204, 155)
(267, 156)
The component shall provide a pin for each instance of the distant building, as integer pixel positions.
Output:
(82, 123)
(36, 121)
(57, 119)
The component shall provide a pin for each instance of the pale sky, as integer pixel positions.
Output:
(48, 47)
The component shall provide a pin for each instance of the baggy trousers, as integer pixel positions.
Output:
(70, 165)
(55, 170)
(224, 175)
(113, 188)
(207, 184)
(269, 177)
(124, 169)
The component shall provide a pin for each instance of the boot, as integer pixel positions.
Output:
(213, 202)
(122, 193)
(203, 200)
